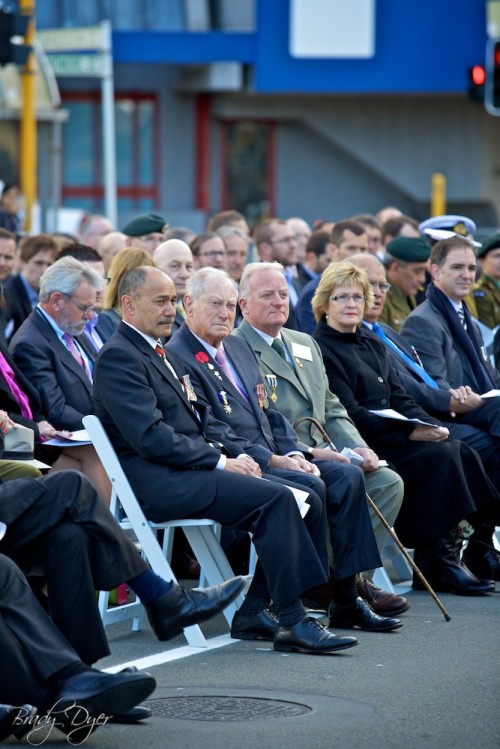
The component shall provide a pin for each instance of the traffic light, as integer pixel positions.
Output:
(492, 86)
(12, 25)
(477, 79)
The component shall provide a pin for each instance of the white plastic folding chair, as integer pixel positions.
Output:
(201, 535)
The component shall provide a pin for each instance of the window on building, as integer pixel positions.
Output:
(248, 168)
(137, 152)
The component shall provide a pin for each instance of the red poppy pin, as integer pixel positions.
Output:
(202, 357)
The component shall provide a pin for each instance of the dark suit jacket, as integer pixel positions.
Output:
(17, 305)
(362, 377)
(266, 428)
(441, 354)
(433, 400)
(64, 389)
(168, 452)
(304, 316)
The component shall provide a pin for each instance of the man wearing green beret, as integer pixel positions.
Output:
(486, 291)
(406, 262)
(145, 232)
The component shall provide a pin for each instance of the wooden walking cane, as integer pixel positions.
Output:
(384, 522)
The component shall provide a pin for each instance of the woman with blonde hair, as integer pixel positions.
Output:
(444, 479)
(127, 259)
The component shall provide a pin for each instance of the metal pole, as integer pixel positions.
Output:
(28, 156)
(438, 194)
(108, 125)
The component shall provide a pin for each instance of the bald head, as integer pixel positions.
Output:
(378, 281)
(109, 246)
(148, 298)
(175, 259)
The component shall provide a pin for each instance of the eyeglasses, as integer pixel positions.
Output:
(345, 298)
(214, 253)
(383, 287)
(83, 307)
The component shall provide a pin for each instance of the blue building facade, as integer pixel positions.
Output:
(285, 107)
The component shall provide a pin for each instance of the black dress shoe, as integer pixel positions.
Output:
(182, 607)
(262, 626)
(362, 616)
(310, 636)
(457, 579)
(14, 721)
(95, 693)
(483, 560)
(134, 715)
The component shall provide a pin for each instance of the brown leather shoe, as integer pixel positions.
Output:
(381, 601)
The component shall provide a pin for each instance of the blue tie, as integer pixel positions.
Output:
(420, 371)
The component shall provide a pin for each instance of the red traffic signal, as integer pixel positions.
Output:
(477, 79)
(478, 75)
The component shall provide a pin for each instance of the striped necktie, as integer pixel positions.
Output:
(461, 315)
(75, 353)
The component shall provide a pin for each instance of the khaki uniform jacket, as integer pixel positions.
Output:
(486, 295)
(397, 307)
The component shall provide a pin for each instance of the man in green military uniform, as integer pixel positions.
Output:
(406, 262)
(486, 291)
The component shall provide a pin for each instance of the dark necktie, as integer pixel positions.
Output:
(461, 315)
(278, 346)
(75, 353)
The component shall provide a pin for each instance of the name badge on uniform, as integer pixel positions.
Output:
(301, 352)
(225, 405)
(261, 393)
(272, 381)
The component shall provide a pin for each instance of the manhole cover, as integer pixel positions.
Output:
(225, 708)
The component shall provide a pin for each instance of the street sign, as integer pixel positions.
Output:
(71, 40)
(78, 65)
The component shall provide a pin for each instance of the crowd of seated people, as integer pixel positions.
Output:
(267, 366)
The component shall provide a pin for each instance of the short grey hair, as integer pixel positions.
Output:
(195, 286)
(65, 275)
(251, 269)
(232, 231)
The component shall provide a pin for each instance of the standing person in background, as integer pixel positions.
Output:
(9, 208)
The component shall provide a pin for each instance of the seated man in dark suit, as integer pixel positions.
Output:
(40, 667)
(58, 527)
(36, 254)
(169, 447)
(447, 339)
(225, 375)
(56, 358)
(93, 334)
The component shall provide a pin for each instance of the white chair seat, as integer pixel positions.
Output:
(201, 534)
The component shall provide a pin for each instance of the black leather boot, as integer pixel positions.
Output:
(482, 559)
(445, 572)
